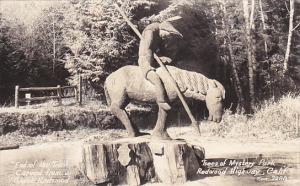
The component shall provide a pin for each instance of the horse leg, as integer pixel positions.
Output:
(160, 130)
(119, 101)
(118, 109)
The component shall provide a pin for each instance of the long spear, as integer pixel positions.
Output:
(186, 107)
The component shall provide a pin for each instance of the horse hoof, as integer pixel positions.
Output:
(137, 134)
(164, 136)
(133, 134)
(142, 134)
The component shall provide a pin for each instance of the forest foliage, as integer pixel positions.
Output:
(241, 43)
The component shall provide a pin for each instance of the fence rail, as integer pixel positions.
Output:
(59, 93)
(39, 89)
(39, 98)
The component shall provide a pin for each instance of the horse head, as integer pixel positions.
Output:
(214, 100)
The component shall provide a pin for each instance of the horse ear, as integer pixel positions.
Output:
(212, 84)
(221, 87)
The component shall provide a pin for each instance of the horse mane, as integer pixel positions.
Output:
(190, 81)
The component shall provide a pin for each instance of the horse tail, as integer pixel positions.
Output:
(108, 100)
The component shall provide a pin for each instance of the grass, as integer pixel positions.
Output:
(44, 118)
(69, 104)
(53, 105)
(273, 120)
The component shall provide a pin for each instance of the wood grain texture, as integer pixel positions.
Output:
(136, 161)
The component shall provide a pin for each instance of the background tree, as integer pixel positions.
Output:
(241, 43)
(290, 35)
(226, 26)
(26, 55)
(250, 52)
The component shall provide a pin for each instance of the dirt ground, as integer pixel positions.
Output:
(186, 132)
(287, 152)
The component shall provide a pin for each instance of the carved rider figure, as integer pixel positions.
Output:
(162, 39)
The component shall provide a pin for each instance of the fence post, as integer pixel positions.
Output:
(76, 93)
(79, 90)
(59, 94)
(17, 96)
(28, 96)
(297, 124)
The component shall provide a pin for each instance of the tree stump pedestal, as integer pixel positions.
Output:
(135, 161)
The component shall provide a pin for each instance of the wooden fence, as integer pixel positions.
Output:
(58, 90)
(297, 125)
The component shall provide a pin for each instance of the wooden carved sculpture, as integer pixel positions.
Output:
(127, 83)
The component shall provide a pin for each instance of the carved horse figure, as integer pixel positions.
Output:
(127, 83)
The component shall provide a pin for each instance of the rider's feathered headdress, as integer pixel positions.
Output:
(167, 26)
(175, 18)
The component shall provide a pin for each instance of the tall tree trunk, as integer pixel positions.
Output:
(252, 29)
(54, 44)
(291, 26)
(249, 54)
(216, 33)
(264, 27)
(215, 20)
(252, 26)
(226, 27)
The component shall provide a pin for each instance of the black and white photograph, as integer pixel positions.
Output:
(149, 92)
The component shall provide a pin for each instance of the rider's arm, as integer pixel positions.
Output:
(146, 47)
